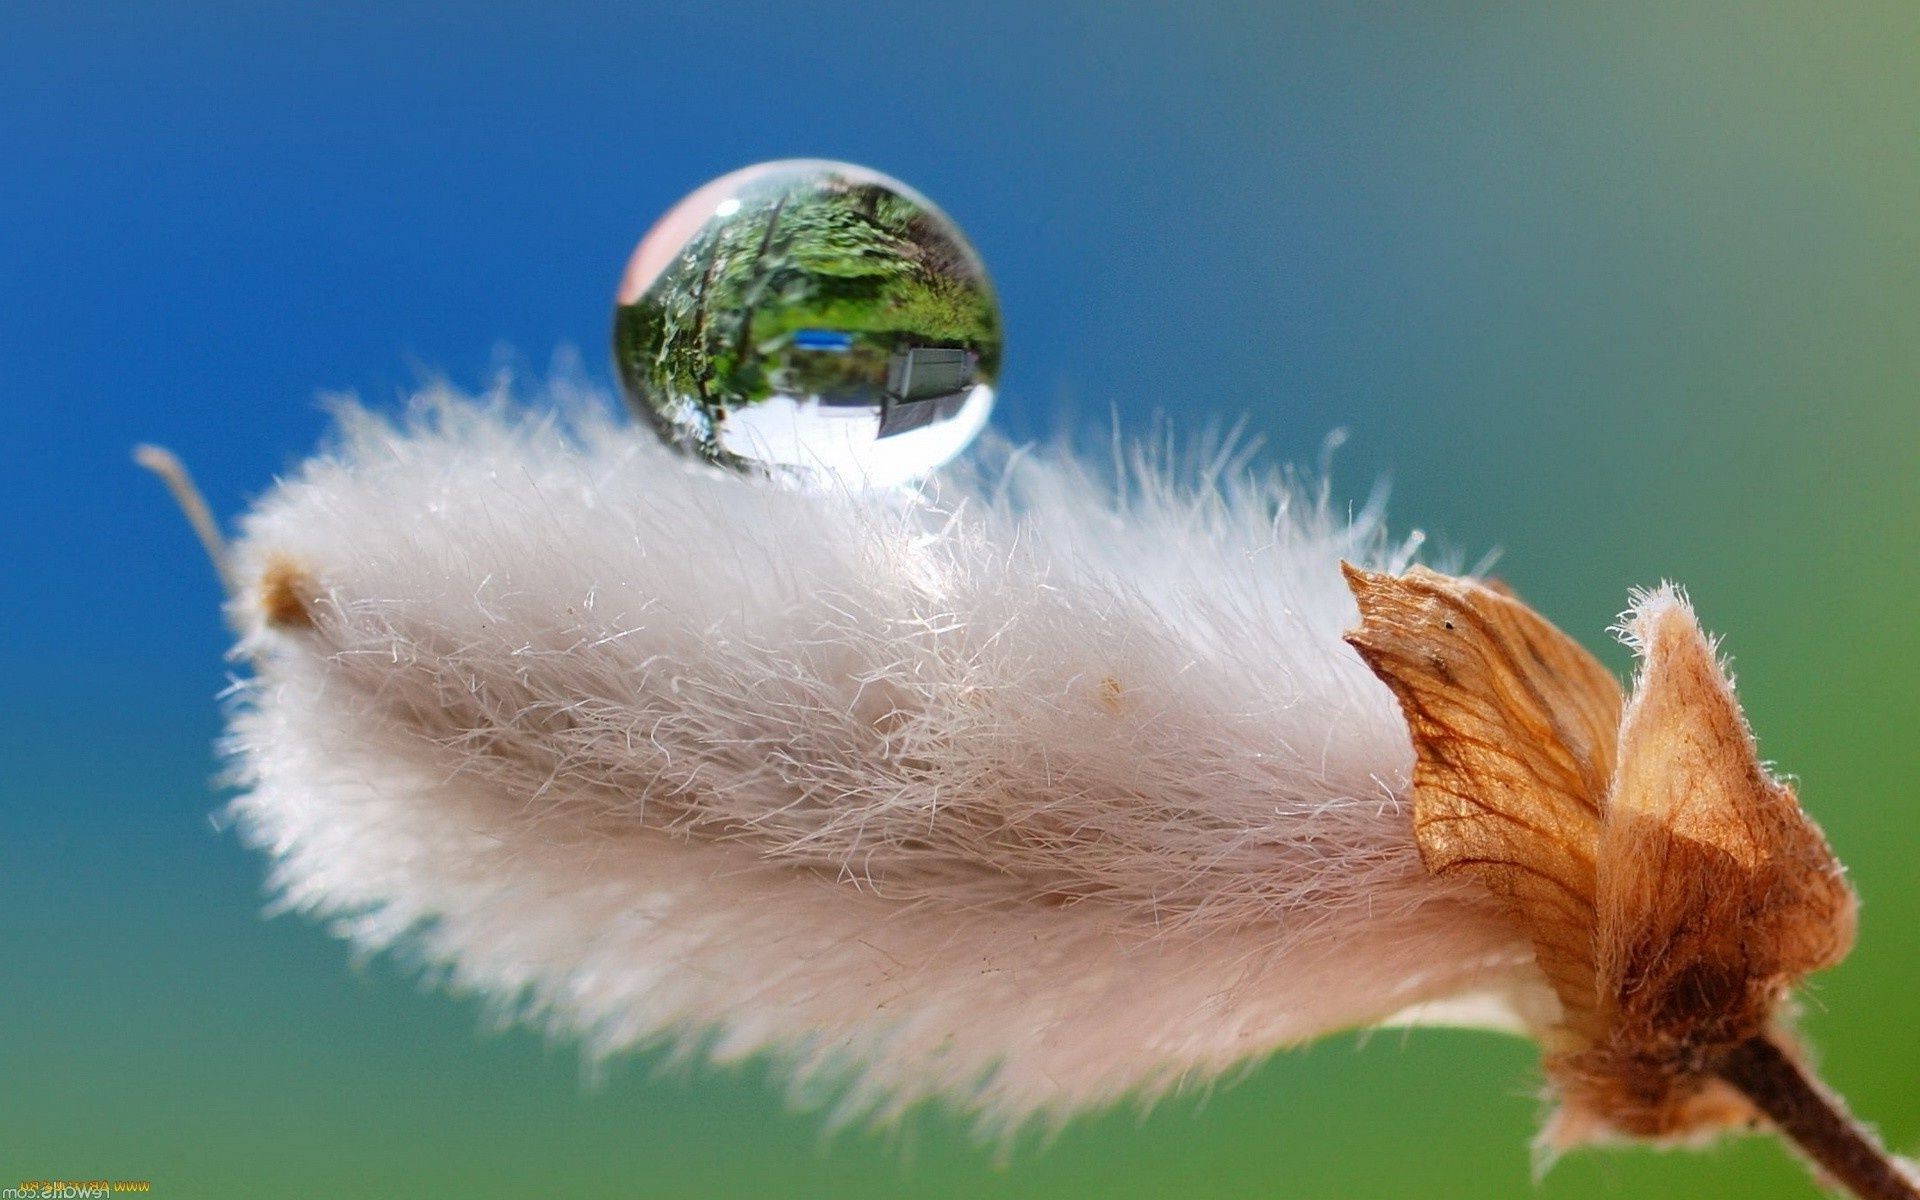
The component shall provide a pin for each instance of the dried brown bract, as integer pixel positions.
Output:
(1674, 891)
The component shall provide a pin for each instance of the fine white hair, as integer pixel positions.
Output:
(1029, 791)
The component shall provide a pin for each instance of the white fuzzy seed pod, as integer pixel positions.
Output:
(1032, 795)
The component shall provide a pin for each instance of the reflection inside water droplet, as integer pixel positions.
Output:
(813, 318)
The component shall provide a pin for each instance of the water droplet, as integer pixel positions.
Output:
(812, 318)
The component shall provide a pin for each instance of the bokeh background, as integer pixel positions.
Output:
(1631, 291)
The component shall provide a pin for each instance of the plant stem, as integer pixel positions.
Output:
(1817, 1121)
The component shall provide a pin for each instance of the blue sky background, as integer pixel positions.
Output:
(1630, 291)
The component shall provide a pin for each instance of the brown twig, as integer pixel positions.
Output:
(1817, 1121)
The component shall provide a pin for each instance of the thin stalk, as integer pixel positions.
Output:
(1817, 1121)
(162, 462)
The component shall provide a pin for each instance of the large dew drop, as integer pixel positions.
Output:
(815, 319)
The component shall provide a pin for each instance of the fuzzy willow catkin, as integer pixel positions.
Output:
(1030, 792)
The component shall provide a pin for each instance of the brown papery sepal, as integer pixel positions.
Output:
(1674, 891)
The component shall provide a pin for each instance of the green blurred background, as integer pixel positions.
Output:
(1630, 291)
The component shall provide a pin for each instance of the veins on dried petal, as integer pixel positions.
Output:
(1673, 889)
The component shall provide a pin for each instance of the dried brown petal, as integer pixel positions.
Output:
(1705, 856)
(1673, 889)
(1716, 893)
(1514, 726)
